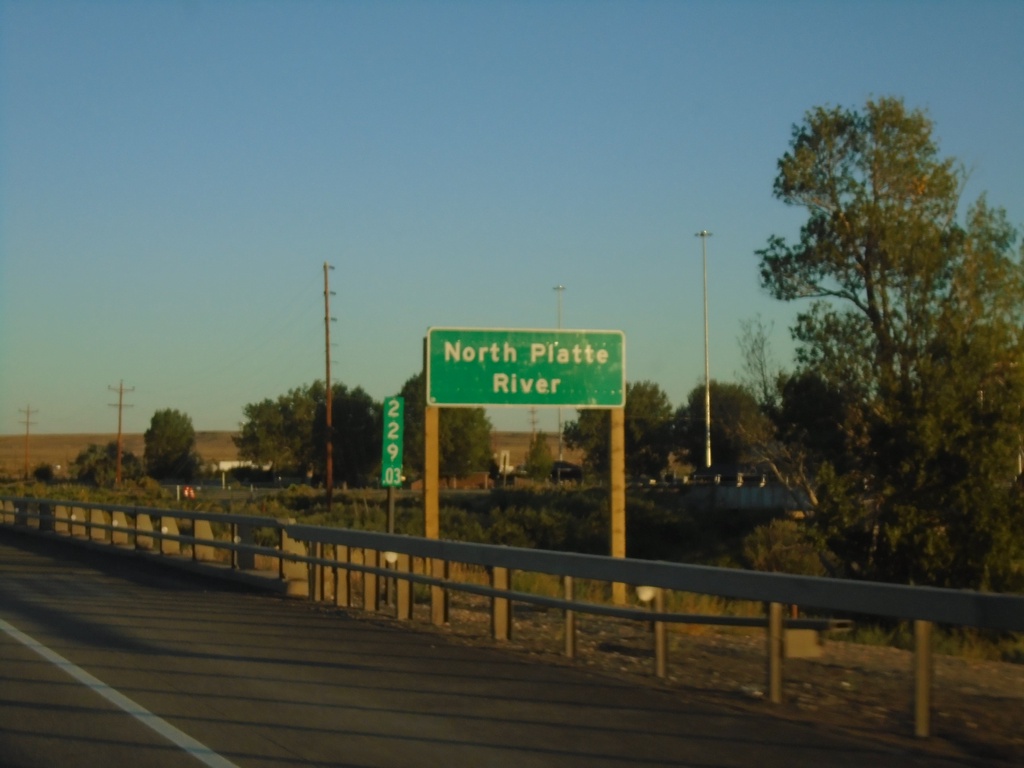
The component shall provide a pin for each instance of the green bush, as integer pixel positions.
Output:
(783, 546)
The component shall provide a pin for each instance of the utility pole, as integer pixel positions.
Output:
(120, 407)
(27, 410)
(704, 235)
(329, 431)
(560, 289)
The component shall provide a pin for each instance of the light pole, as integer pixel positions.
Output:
(704, 235)
(559, 289)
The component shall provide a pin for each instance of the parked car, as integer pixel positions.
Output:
(566, 472)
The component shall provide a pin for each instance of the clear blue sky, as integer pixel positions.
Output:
(173, 175)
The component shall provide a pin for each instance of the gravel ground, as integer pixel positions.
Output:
(977, 706)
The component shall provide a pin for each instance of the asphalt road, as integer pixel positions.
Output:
(111, 661)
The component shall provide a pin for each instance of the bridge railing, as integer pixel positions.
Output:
(319, 562)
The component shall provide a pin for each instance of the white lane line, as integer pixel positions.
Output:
(180, 739)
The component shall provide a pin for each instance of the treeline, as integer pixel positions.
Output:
(901, 421)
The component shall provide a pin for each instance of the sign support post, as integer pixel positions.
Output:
(431, 506)
(392, 451)
(482, 367)
(617, 500)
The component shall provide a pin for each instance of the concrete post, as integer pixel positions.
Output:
(143, 531)
(45, 517)
(97, 517)
(169, 527)
(297, 574)
(120, 522)
(61, 519)
(202, 531)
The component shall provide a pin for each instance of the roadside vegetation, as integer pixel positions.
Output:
(899, 425)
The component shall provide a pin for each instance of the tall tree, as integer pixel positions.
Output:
(97, 465)
(288, 433)
(914, 330)
(464, 441)
(648, 432)
(736, 424)
(171, 446)
(280, 432)
(539, 461)
(356, 423)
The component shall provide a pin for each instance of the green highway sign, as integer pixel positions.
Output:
(499, 366)
(391, 453)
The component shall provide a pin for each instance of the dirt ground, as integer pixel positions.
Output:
(977, 706)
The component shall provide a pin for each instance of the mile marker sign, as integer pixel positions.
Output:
(498, 366)
(391, 453)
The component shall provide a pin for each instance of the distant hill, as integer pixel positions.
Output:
(61, 450)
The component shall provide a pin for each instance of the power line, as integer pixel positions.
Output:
(28, 411)
(120, 405)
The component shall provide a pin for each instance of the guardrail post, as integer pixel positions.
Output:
(922, 678)
(315, 573)
(438, 595)
(280, 553)
(403, 588)
(660, 636)
(371, 591)
(501, 607)
(342, 583)
(776, 649)
(569, 593)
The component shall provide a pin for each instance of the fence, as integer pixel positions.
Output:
(302, 557)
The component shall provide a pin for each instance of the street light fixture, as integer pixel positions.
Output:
(704, 235)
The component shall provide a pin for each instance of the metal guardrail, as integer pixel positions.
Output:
(304, 555)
